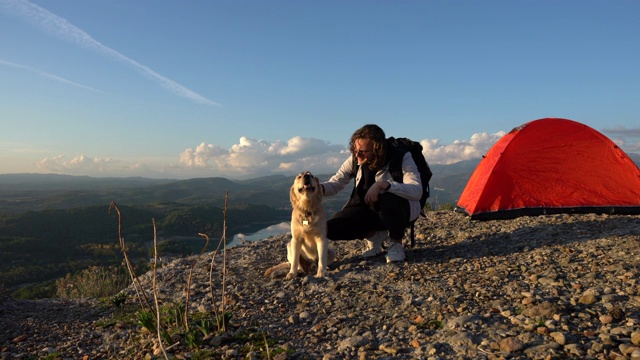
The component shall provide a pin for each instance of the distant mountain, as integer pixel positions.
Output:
(31, 192)
(25, 192)
(51, 182)
(448, 181)
(28, 192)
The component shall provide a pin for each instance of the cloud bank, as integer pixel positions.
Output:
(252, 158)
(79, 165)
(459, 150)
(60, 27)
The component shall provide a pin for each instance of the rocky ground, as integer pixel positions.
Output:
(548, 287)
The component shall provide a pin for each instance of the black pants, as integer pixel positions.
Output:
(355, 222)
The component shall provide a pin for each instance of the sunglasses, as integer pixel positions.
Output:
(361, 152)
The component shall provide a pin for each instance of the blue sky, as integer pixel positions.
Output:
(182, 89)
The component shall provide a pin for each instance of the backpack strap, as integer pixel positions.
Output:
(396, 155)
(354, 172)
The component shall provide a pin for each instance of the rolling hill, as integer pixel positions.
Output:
(32, 192)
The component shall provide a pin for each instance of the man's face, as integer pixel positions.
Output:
(363, 150)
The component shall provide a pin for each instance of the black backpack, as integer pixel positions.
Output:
(400, 146)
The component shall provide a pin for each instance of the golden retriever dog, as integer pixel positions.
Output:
(309, 244)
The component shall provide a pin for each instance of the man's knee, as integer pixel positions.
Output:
(392, 202)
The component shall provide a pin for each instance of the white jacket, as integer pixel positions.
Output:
(410, 188)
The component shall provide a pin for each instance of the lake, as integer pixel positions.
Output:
(277, 229)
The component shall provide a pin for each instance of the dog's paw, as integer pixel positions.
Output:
(321, 274)
(291, 276)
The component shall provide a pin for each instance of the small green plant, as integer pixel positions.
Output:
(192, 339)
(518, 310)
(166, 337)
(106, 323)
(175, 315)
(437, 324)
(203, 355)
(205, 326)
(432, 324)
(223, 319)
(118, 299)
(146, 320)
(257, 341)
(52, 356)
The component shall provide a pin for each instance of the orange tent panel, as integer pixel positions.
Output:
(552, 166)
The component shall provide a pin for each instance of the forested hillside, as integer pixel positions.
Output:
(43, 245)
(24, 192)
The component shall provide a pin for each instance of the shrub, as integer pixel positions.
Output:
(42, 290)
(447, 206)
(95, 281)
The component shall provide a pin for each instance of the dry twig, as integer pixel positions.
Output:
(134, 278)
(223, 242)
(155, 292)
(224, 261)
(195, 261)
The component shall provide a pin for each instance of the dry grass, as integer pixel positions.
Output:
(155, 309)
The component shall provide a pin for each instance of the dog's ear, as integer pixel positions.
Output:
(293, 195)
(318, 188)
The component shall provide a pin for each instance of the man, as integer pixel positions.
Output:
(379, 207)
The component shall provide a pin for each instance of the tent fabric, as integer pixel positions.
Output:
(551, 166)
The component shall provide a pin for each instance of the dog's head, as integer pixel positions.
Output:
(305, 187)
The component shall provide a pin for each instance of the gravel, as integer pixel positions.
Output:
(546, 287)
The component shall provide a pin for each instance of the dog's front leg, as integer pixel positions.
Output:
(322, 245)
(293, 254)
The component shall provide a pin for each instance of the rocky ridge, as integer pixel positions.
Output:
(546, 287)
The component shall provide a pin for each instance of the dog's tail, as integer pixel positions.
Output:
(277, 268)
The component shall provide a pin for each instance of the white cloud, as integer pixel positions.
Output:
(251, 158)
(80, 165)
(298, 146)
(459, 150)
(57, 26)
(259, 157)
(199, 156)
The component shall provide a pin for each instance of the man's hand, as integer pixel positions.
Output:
(372, 194)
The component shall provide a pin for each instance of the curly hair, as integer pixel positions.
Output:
(376, 135)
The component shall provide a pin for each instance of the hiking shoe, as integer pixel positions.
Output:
(374, 244)
(395, 252)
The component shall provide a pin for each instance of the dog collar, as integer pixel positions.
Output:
(305, 220)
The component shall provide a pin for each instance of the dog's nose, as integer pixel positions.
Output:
(307, 177)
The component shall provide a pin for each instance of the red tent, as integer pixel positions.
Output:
(552, 166)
